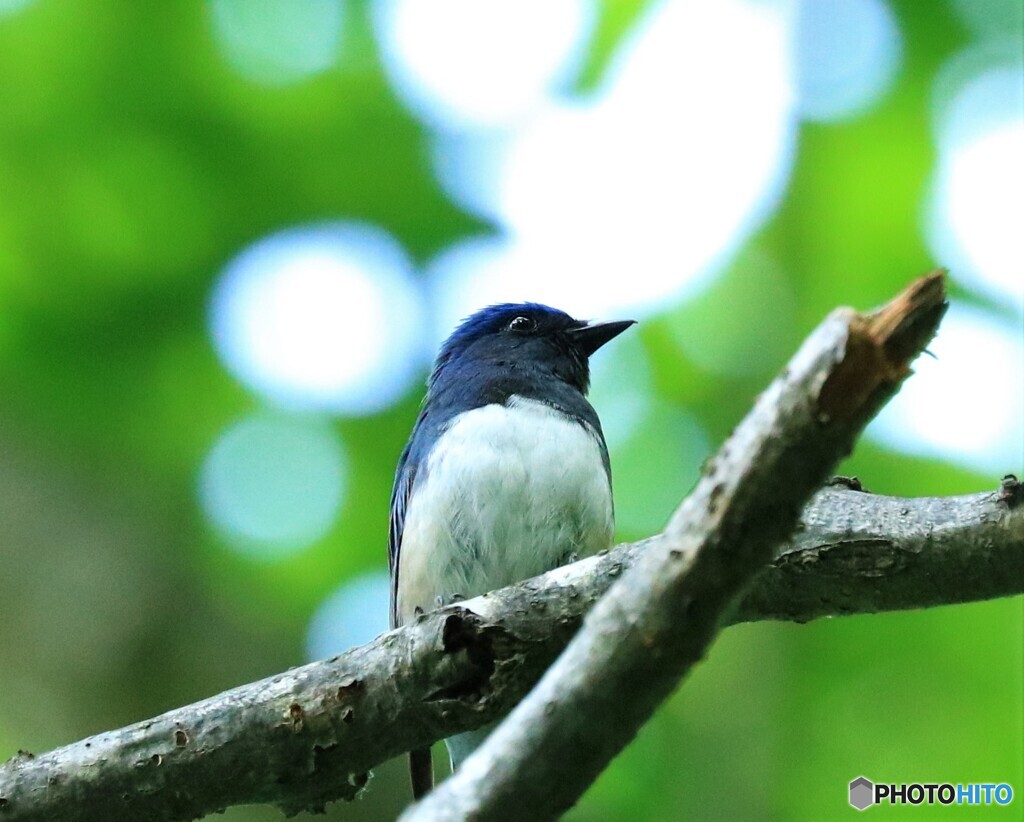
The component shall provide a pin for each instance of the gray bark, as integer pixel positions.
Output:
(310, 735)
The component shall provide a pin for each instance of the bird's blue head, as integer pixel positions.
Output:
(528, 337)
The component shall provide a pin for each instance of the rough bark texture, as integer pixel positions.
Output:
(311, 734)
(656, 622)
(858, 553)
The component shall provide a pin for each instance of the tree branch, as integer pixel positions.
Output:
(310, 735)
(656, 622)
(461, 667)
(858, 553)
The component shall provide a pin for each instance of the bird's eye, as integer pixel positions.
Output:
(522, 324)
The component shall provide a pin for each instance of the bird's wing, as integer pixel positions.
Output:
(421, 767)
(405, 476)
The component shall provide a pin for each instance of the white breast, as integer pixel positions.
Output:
(509, 492)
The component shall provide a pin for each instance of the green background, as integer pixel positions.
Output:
(134, 163)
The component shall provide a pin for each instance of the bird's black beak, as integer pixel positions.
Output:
(591, 337)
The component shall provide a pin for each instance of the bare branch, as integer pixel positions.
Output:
(858, 553)
(459, 668)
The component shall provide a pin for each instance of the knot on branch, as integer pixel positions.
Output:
(465, 633)
(1011, 491)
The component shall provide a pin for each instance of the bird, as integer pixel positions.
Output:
(506, 474)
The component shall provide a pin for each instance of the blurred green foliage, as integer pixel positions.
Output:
(134, 162)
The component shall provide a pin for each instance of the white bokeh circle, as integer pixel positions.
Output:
(847, 53)
(352, 615)
(463, 64)
(963, 404)
(273, 485)
(324, 317)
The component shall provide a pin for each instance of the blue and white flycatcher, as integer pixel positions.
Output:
(506, 474)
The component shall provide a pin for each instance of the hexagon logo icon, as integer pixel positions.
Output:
(862, 793)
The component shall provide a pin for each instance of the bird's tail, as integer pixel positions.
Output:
(421, 772)
(460, 746)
